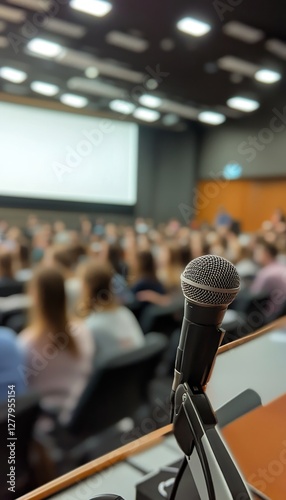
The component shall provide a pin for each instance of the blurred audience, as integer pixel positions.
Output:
(113, 326)
(12, 359)
(59, 353)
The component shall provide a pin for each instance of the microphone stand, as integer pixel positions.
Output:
(215, 474)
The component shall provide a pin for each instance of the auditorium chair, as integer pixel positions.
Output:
(117, 389)
(26, 449)
(14, 311)
(164, 319)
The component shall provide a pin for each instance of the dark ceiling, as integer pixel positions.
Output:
(192, 76)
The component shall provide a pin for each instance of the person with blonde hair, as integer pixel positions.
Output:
(59, 353)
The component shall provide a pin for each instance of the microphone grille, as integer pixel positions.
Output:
(210, 280)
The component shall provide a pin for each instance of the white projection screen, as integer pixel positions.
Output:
(55, 155)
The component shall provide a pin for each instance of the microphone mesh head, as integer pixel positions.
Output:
(210, 280)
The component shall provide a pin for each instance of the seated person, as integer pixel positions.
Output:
(8, 285)
(24, 272)
(11, 358)
(114, 327)
(60, 354)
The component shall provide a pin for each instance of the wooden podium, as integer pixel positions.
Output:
(257, 440)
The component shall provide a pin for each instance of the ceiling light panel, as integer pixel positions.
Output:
(267, 76)
(44, 48)
(95, 87)
(243, 32)
(124, 107)
(236, 65)
(76, 101)
(150, 101)
(33, 4)
(12, 15)
(276, 47)
(47, 89)
(193, 27)
(64, 28)
(98, 8)
(243, 104)
(146, 115)
(126, 41)
(82, 60)
(12, 74)
(211, 117)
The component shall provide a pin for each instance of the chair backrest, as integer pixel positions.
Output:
(164, 319)
(117, 388)
(27, 411)
(12, 288)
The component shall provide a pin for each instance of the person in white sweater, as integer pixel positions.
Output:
(113, 326)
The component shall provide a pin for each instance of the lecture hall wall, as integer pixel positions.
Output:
(262, 185)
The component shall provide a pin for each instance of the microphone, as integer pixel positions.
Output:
(209, 284)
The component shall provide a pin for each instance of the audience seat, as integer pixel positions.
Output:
(27, 412)
(14, 311)
(12, 288)
(117, 389)
(164, 319)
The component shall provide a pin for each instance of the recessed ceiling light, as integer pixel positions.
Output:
(44, 88)
(33, 4)
(193, 26)
(243, 104)
(98, 8)
(211, 117)
(150, 101)
(12, 74)
(76, 101)
(91, 72)
(44, 48)
(243, 32)
(151, 84)
(127, 41)
(147, 115)
(237, 65)
(267, 76)
(124, 107)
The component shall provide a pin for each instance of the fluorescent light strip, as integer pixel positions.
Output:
(12, 15)
(124, 107)
(82, 60)
(126, 41)
(193, 27)
(44, 48)
(243, 104)
(98, 8)
(13, 75)
(276, 47)
(73, 100)
(64, 28)
(146, 115)
(150, 101)
(235, 65)
(47, 89)
(267, 76)
(96, 87)
(211, 117)
(241, 31)
(33, 4)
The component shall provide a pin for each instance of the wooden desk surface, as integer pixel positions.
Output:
(134, 447)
